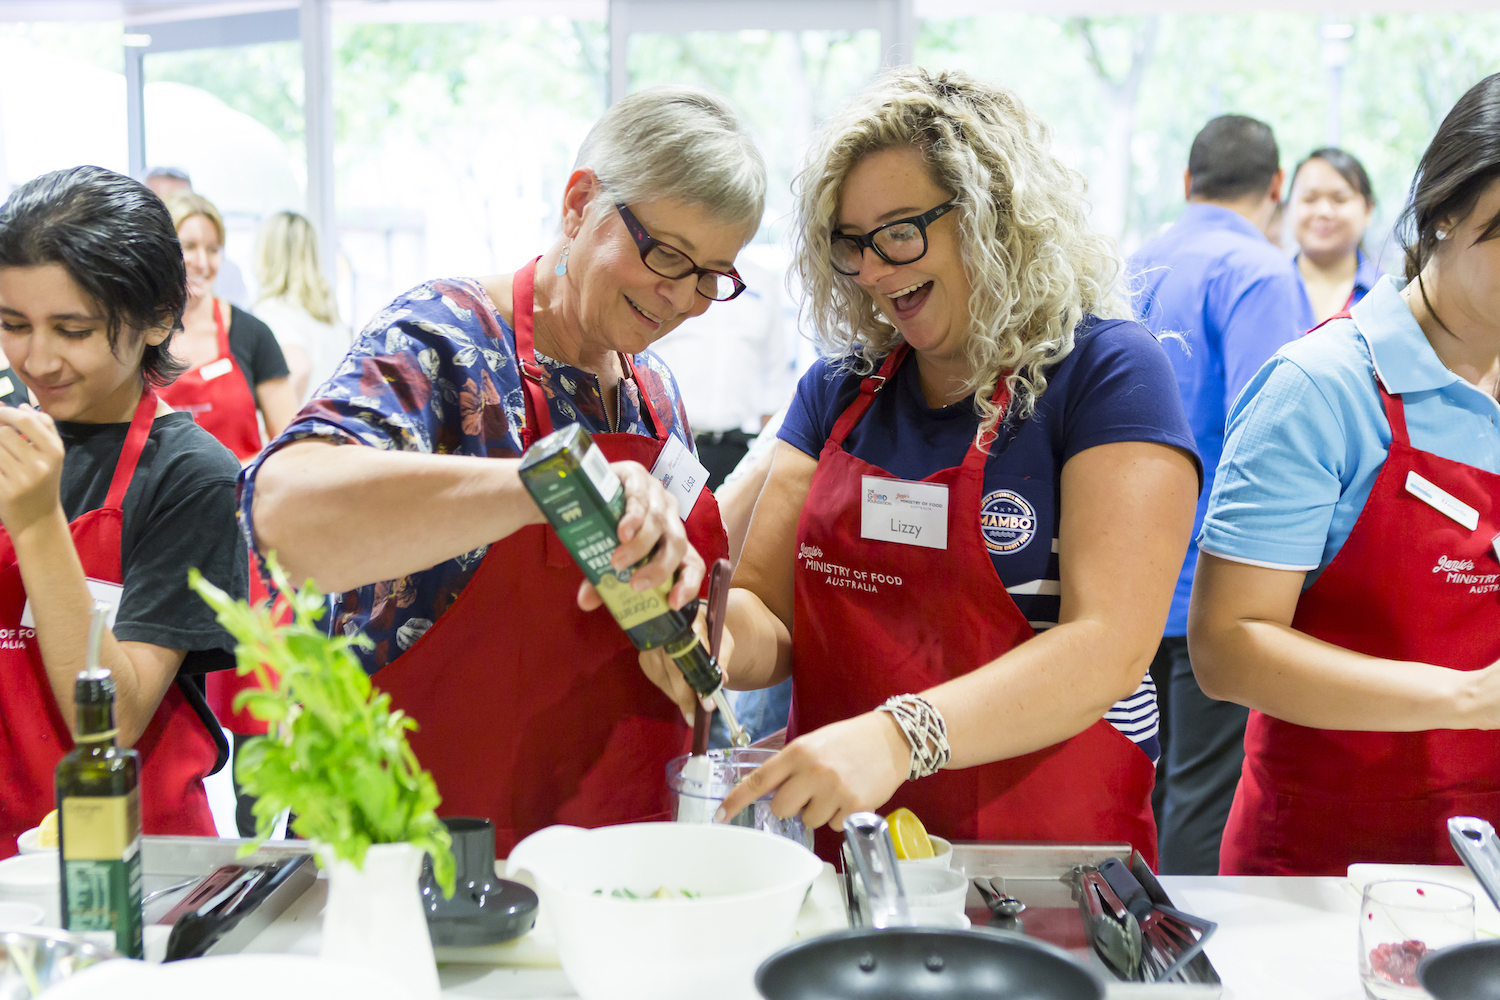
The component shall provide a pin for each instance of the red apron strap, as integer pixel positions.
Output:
(538, 416)
(658, 426)
(978, 452)
(1395, 412)
(223, 330)
(868, 387)
(135, 443)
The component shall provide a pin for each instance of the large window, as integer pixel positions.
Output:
(1126, 95)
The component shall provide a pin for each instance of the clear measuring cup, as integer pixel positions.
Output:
(698, 789)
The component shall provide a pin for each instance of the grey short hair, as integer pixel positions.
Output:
(682, 143)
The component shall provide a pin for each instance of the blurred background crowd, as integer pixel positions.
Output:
(427, 114)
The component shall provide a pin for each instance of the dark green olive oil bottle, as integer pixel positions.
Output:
(570, 479)
(99, 815)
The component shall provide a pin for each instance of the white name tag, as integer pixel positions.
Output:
(681, 473)
(6, 385)
(895, 510)
(214, 369)
(107, 594)
(1441, 500)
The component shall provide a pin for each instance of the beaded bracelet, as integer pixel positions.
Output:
(923, 726)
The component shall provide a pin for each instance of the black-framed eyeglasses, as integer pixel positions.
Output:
(670, 262)
(899, 242)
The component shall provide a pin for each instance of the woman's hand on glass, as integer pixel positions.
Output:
(843, 768)
(31, 460)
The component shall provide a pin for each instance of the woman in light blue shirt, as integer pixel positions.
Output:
(1349, 584)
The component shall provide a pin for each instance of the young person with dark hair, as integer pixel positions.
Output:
(1331, 205)
(106, 496)
(1228, 299)
(1349, 584)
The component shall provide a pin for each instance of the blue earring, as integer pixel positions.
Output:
(562, 264)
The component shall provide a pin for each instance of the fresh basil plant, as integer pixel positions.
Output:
(337, 754)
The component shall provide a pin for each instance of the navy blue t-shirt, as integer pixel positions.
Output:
(1116, 385)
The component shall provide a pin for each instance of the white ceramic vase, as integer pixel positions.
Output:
(374, 917)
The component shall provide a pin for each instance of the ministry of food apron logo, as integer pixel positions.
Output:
(1007, 522)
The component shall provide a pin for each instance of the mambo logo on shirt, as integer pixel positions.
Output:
(1007, 522)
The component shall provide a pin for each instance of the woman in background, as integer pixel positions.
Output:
(236, 378)
(1331, 205)
(297, 303)
(219, 340)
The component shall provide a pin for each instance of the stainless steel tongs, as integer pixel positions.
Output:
(1111, 928)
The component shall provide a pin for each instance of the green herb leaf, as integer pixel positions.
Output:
(337, 755)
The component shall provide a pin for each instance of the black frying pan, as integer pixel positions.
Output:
(928, 962)
(1464, 972)
(1469, 971)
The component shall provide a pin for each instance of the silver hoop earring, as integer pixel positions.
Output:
(562, 264)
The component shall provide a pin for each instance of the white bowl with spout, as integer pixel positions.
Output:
(748, 888)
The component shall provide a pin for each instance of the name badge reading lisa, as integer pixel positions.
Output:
(681, 473)
(895, 510)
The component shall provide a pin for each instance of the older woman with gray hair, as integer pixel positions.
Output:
(965, 548)
(398, 486)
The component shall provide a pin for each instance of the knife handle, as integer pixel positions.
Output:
(1127, 887)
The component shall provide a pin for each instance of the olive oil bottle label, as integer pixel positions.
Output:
(596, 467)
(632, 607)
(571, 481)
(101, 856)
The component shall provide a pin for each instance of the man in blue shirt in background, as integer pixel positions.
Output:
(1223, 300)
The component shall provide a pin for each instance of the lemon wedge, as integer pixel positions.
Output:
(46, 835)
(909, 835)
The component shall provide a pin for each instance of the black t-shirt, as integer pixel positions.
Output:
(255, 349)
(178, 513)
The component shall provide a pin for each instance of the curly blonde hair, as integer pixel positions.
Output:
(1034, 266)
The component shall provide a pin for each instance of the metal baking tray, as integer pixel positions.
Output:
(171, 861)
(1033, 873)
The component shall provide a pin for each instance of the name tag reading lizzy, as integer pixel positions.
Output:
(895, 510)
(681, 473)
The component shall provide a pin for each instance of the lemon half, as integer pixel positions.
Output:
(909, 835)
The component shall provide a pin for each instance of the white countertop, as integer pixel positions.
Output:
(1282, 938)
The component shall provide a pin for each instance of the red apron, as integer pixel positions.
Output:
(218, 396)
(533, 712)
(177, 753)
(1410, 583)
(852, 648)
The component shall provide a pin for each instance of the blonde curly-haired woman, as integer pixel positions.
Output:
(966, 547)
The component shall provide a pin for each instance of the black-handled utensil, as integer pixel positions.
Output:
(718, 600)
(197, 930)
(1172, 938)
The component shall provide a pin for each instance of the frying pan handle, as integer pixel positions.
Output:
(869, 841)
(1474, 840)
(1127, 887)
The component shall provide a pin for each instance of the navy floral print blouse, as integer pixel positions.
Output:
(436, 372)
